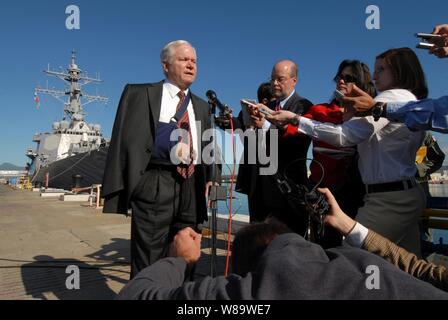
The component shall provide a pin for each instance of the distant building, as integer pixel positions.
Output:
(9, 171)
(439, 176)
(7, 174)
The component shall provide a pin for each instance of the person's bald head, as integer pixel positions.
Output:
(284, 78)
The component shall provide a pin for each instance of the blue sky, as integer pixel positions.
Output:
(237, 44)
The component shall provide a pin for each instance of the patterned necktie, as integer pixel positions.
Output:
(185, 170)
(278, 107)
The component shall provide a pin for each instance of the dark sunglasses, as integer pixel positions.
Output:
(346, 77)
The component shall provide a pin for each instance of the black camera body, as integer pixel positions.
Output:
(224, 118)
(302, 199)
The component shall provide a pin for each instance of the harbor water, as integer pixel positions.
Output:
(439, 190)
(240, 206)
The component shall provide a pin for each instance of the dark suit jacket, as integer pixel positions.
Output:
(291, 268)
(132, 144)
(288, 150)
(294, 148)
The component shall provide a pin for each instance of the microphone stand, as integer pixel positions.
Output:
(216, 192)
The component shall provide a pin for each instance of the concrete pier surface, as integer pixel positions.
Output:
(40, 238)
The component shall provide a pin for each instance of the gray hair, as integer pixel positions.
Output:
(167, 51)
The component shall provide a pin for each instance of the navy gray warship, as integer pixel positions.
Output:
(74, 154)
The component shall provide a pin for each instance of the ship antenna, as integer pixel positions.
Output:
(73, 56)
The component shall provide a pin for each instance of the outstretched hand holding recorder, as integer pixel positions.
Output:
(258, 107)
(436, 42)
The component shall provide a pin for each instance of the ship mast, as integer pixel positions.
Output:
(73, 108)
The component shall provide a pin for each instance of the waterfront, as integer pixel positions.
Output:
(42, 237)
(240, 206)
(438, 190)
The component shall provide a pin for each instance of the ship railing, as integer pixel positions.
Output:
(436, 213)
(435, 218)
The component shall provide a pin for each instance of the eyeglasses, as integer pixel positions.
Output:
(346, 77)
(279, 79)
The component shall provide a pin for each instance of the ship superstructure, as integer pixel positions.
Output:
(72, 135)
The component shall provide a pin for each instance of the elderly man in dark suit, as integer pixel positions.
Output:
(165, 190)
(265, 197)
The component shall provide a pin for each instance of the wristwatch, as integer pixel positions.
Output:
(378, 110)
(295, 121)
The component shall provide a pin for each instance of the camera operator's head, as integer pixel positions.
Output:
(251, 241)
(264, 93)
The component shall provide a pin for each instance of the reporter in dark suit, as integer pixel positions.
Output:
(265, 197)
(247, 170)
(164, 197)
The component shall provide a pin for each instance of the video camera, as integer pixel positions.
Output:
(302, 199)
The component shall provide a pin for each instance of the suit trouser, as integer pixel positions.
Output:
(162, 204)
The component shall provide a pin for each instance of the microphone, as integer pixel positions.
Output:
(213, 99)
